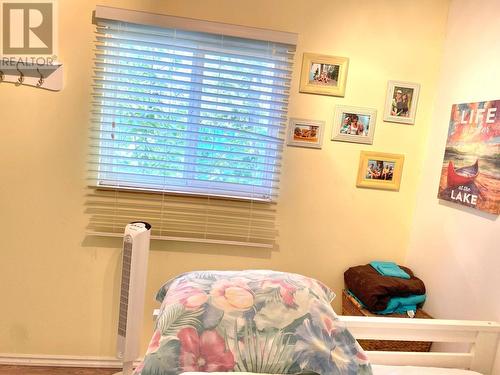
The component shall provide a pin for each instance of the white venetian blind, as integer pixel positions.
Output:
(187, 132)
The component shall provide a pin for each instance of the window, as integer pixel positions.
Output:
(186, 111)
(189, 112)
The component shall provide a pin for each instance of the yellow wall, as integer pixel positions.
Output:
(59, 289)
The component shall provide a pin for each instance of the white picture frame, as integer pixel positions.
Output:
(305, 133)
(354, 124)
(397, 109)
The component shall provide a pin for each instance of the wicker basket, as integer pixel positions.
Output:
(352, 307)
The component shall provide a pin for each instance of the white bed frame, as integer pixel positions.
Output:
(483, 337)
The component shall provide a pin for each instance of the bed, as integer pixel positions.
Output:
(482, 336)
(271, 322)
(479, 360)
(378, 370)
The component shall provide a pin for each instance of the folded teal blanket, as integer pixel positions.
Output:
(400, 305)
(389, 269)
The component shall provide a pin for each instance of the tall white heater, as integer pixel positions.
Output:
(133, 284)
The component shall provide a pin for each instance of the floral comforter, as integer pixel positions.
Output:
(249, 321)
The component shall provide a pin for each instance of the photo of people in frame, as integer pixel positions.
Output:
(355, 124)
(324, 74)
(401, 101)
(380, 170)
(305, 133)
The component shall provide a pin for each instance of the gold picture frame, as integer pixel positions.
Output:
(379, 170)
(323, 75)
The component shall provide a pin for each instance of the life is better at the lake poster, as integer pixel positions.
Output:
(470, 175)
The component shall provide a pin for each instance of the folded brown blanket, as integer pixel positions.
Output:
(375, 290)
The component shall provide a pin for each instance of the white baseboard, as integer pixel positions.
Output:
(60, 361)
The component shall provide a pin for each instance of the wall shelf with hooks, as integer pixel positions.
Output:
(48, 77)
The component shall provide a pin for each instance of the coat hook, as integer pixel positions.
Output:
(20, 80)
(41, 80)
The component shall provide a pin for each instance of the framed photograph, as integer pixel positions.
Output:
(323, 75)
(305, 133)
(354, 124)
(379, 170)
(401, 102)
